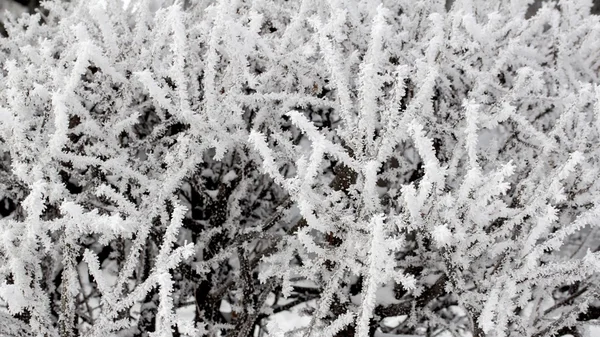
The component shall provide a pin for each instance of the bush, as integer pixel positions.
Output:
(200, 168)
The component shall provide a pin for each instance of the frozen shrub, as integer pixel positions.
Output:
(197, 168)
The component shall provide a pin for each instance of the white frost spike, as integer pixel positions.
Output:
(371, 197)
(61, 124)
(408, 281)
(471, 131)
(259, 142)
(98, 12)
(597, 107)
(409, 194)
(379, 272)
(34, 203)
(486, 319)
(338, 324)
(179, 49)
(315, 136)
(575, 159)
(376, 259)
(371, 79)
(591, 261)
(436, 43)
(165, 317)
(424, 145)
(543, 223)
(442, 235)
(313, 164)
(154, 89)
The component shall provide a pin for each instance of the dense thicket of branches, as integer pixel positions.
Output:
(198, 168)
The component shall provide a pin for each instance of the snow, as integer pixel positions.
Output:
(394, 321)
(293, 319)
(592, 331)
